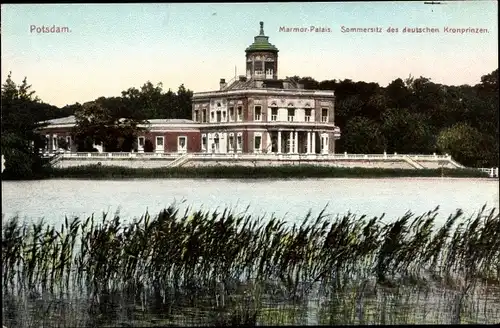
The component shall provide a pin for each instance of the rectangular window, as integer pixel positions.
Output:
(324, 115)
(212, 116)
(182, 141)
(182, 144)
(231, 114)
(257, 143)
(141, 141)
(291, 114)
(231, 143)
(224, 116)
(159, 141)
(204, 116)
(239, 142)
(258, 66)
(308, 115)
(258, 113)
(204, 142)
(196, 116)
(274, 114)
(218, 116)
(240, 113)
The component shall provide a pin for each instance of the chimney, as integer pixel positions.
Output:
(222, 84)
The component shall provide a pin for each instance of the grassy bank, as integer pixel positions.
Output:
(214, 265)
(243, 172)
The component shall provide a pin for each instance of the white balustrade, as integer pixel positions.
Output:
(265, 156)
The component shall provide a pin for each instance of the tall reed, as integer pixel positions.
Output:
(230, 261)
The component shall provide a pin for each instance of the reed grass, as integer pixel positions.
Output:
(232, 268)
(243, 172)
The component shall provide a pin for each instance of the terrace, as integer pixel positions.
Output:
(415, 161)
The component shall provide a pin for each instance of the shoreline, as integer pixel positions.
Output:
(96, 172)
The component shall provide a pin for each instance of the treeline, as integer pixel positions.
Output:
(414, 115)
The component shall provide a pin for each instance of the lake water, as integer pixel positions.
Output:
(53, 199)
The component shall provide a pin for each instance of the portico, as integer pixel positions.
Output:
(299, 141)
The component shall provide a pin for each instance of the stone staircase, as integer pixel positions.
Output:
(413, 163)
(179, 161)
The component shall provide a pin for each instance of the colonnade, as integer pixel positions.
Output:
(292, 138)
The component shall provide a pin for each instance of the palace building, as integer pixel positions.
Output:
(252, 113)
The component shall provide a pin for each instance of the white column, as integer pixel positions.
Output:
(279, 142)
(268, 142)
(55, 146)
(290, 138)
(313, 146)
(296, 143)
(308, 142)
(324, 144)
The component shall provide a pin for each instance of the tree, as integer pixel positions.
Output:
(363, 136)
(100, 124)
(308, 82)
(21, 143)
(489, 83)
(464, 143)
(184, 102)
(407, 132)
(150, 102)
(398, 94)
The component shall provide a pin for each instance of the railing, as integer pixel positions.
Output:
(97, 155)
(229, 83)
(264, 155)
(56, 159)
(492, 172)
(256, 90)
(456, 164)
(84, 155)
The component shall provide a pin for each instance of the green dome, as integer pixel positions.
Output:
(261, 42)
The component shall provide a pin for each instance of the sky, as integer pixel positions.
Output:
(112, 47)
